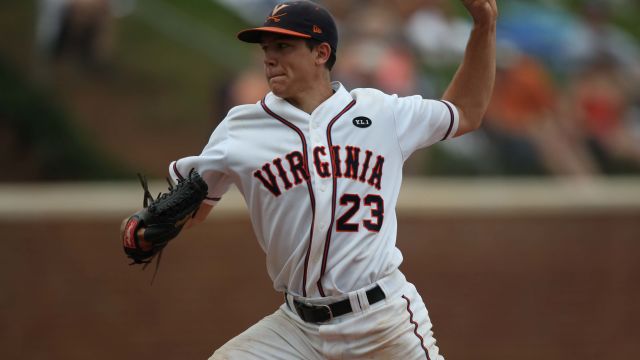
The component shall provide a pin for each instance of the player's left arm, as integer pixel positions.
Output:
(200, 215)
(472, 85)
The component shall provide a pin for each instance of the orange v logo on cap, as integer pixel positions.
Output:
(316, 29)
(274, 17)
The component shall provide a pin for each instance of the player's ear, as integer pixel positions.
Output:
(323, 52)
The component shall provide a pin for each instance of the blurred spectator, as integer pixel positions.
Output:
(80, 29)
(524, 124)
(600, 38)
(374, 63)
(51, 14)
(379, 57)
(610, 57)
(600, 103)
(246, 87)
(436, 32)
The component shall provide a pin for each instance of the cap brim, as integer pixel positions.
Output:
(255, 35)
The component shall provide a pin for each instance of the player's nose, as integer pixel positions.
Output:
(269, 60)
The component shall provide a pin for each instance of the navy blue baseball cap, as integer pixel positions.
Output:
(303, 19)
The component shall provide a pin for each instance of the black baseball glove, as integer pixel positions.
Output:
(162, 218)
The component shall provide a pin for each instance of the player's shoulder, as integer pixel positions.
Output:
(236, 116)
(367, 93)
(242, 112)
(379, 95)
(371, 98)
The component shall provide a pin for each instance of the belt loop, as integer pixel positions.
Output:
(363, 300)
(355, 302)
(286, 301)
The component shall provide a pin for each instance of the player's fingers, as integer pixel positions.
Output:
(482, 10)
(488, 5)
(494, 6)
(473, 5)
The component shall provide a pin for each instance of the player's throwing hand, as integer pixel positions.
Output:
(483, 12)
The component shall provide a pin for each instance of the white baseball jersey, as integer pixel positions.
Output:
(322, 188)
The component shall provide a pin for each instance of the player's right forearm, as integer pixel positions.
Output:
(472, 86)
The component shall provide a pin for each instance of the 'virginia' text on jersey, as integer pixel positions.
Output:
(346, 164)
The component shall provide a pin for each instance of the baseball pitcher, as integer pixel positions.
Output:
(320, 168)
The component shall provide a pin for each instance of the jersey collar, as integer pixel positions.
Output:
(323, 113)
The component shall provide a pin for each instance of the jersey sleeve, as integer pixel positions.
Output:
(211, 164)
(423, 122)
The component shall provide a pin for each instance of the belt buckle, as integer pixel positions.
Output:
(304, 308)
(328, 311)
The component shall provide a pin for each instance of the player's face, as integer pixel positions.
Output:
(289, 65)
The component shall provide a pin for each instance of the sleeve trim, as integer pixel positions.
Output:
(211, 201)
(451, 121)
(174, 167)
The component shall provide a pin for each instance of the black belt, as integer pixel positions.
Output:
(321, 313)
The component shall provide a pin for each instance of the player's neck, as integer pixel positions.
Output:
(310, 98)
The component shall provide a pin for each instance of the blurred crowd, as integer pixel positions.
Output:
(78, 29)
(567, 94)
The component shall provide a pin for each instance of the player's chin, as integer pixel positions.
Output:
(279, 90)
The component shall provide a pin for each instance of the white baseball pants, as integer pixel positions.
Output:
(397, 327)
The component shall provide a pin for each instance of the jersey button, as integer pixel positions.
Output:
(323, 188)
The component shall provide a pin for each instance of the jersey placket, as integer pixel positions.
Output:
(322, 190)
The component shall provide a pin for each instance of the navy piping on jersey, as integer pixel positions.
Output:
(451, 121)
(309, 187)
(327, 242)
(415, 327)
(175, 170)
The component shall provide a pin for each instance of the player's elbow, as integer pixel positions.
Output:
(476, 121)
(469, 120)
